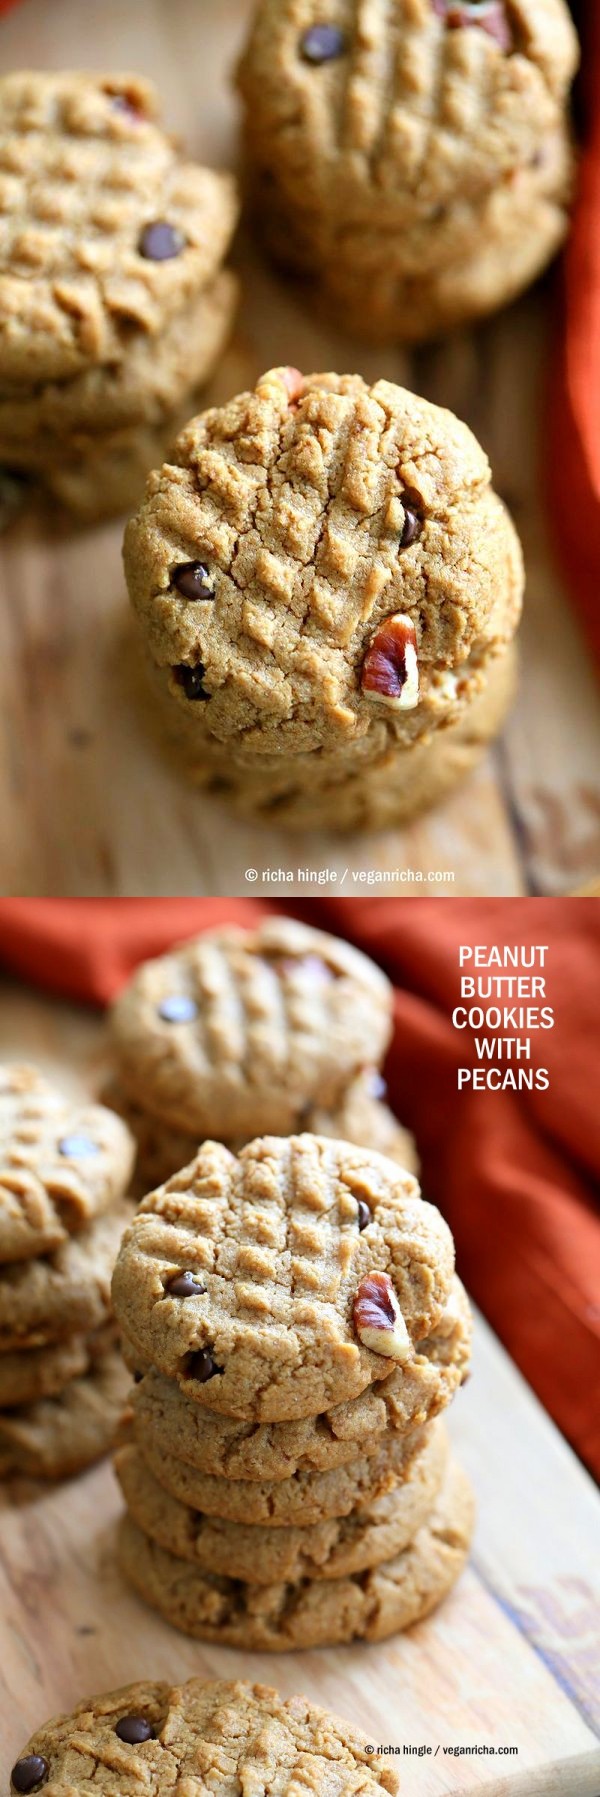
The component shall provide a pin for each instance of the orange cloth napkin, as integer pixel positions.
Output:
(573, 464)
(515, 1174)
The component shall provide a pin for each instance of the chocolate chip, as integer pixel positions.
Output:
(185, 1285)
(78, 1146)
(137, 1378)
(202, 1367)
(377, 1085)
(123, 103)
(322, 43)
(134, 1729)
(364, 1214)
(160, 241)
(191, 680)
(193, 580)
(29, 1773)
(412, 527)
(177, 1008)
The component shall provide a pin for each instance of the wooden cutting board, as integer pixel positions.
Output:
(86, 805)
(511, 1660)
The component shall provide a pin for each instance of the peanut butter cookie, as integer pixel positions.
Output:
(324, 577)
(219, 1737)
(415, 159)
(290, 1278)
(62, 1163)
(240, 1031)
(367, 1606)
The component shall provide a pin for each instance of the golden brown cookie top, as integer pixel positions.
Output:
(284, 1280)
(62, 1163)
(238, 1031)
(221, 1737)
(409, 106)
(319, 562)
(105, 231)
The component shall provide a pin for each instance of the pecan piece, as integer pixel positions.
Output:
(390, 671)
(490, 15)
(378, 1319)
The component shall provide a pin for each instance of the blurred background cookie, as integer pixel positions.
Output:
(415, 159)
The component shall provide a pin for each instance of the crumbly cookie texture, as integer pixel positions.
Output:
(230, 1451)
(302, 1500)
(417, 163)
(145, 389)
(240, 1277)
(106, 231)
(65, 1293)
(58, 1436)
(62, 1163)
(360, 1117)
(354, 575)
(195, 1736)
(368, 1606)
(374, 1532)
(238, 1031)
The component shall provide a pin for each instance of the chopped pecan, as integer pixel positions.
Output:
(378, 1319)
(390, 671)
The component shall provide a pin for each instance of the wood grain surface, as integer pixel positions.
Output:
(86, 804)
(511, 1660)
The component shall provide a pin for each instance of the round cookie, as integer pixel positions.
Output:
(305, 1251)
(415, 160)
(62, 1163)
(329, 1550)
(67, 1292)
(106, 232)
(238, 1031)
(146, 389)
(228, 1451)
(58, 1436)
(360, 1117)
(221, 1737)
(360, 575)
(391, 790)
(301, 1501)
(368, 1606)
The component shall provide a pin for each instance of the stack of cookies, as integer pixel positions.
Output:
(196, 1737)
(64, 1168)
(296, 1327)
(328, 590)
(239, 1033)
(416, 160)
(114, 304)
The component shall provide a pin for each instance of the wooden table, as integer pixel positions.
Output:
(86, 806)
(510, 1660)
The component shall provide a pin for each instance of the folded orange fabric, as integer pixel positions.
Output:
(516, 1174)
(573, 469)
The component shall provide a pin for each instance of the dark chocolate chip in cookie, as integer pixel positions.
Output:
(30, 1773)
(364, 1214)
(185, 1285)
(412, 527)
(177, 1008)
(202, 1367)
(134, 1730)
(160, 241)
(78, 1146)
(377, 1084)
(490, 15)
(193, 580)
(322, 43)
(191, 680)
